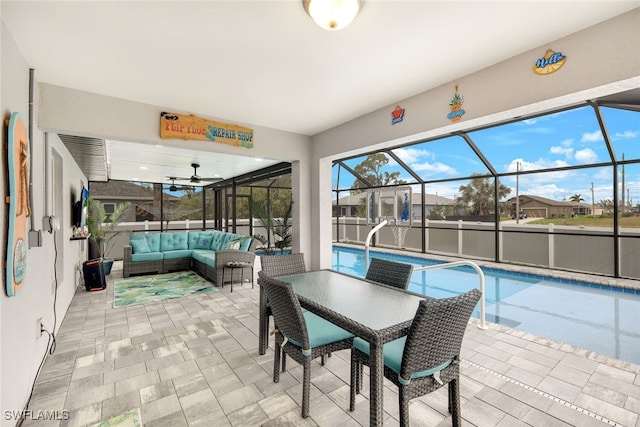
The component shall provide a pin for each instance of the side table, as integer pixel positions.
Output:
(235, 265)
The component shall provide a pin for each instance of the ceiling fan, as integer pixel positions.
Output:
(195, 178)
(175, 187)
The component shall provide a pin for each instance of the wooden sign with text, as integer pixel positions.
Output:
(179, 126)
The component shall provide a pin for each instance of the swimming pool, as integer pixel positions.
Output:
(592, 317)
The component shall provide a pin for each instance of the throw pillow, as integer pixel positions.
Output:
(140, 246)
(234, 244)
(204, 242)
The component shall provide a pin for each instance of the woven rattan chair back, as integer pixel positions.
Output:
(285, 309)
(392, 273)
(291, 326)
(273, 266)
(280, 265)
(433, 345)
(436, 333)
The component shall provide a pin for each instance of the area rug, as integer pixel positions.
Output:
(158, 287)
(128, 419)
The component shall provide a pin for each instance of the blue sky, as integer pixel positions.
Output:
(568, 138)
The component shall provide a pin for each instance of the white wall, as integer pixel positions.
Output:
(21, 348)
(601, 60)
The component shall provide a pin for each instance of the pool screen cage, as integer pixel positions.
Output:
(393, 205)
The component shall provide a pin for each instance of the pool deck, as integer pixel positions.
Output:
(193, 361)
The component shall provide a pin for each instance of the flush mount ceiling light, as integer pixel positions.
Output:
(332, 14)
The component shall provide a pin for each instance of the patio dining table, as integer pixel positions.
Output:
(371, 311)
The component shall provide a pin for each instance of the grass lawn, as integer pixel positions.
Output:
(591, 221)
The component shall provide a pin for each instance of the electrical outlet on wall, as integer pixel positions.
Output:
(42, 327)
(39, 327)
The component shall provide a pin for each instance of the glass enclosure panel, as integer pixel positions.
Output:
(182, 207)
(623, 128)
(210, 207)
(341, 178)
(566, 138)
(146, 203)
(378, 169)
(441, 159)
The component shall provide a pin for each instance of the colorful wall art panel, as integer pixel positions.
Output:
(19, 208)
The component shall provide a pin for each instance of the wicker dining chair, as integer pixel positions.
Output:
(303, 336)
(427, 358)
(273, 266)
(390, 273)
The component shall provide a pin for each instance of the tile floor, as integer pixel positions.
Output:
(193, 361)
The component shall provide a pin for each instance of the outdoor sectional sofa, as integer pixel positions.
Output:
(205, 252)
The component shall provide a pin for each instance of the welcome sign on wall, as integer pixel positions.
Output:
(179, 126)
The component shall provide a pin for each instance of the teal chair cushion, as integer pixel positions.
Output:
(321, 331)
(392, 353)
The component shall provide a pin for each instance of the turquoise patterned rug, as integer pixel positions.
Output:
(128, 419)
(159, 287)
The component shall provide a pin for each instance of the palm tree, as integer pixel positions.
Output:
(577, 198)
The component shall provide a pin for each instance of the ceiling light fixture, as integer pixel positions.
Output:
(332, 14)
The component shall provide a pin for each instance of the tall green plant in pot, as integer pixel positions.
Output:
(280, 228)
(102, 228)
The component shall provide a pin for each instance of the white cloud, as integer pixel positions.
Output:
(627, 134)
(541, 163)
(592, 137)
(433, 168)
(564, 149)
(586, 156)
(411, 155)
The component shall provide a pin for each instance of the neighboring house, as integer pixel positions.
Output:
(541, 207)
(146, 204)
(349, 205)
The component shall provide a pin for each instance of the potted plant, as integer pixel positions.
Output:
(279, 228)
(102, 228)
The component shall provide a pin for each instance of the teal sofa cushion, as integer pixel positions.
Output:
(204, 256)
(172, 241)
(219, 240)
(180, 253)
(151, 256)
(192, 239)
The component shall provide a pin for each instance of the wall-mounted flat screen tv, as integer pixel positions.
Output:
(80, 209)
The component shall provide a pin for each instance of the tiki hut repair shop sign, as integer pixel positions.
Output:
(179, 126)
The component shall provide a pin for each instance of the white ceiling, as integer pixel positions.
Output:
(266, 63)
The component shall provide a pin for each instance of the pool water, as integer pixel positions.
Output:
(592, 317)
